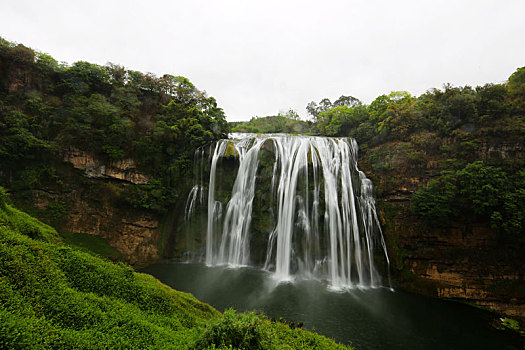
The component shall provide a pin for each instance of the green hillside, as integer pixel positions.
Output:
(55, 296)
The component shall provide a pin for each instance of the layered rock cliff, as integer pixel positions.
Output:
(87, 201)
(468, 262)
(123, 170)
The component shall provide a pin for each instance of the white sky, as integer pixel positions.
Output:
(261, 57)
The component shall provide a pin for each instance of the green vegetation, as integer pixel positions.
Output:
(492, 109)
(513, 325)
(91, 244)
(107, 111)
(473, 194)
(14, 220)
(288, 123)
(55, 296)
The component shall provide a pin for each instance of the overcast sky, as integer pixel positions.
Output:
(261, 57)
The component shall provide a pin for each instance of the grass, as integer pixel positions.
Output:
(54, 295)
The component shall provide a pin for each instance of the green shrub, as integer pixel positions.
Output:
(3, 198)
(478, 192)
(240, 331)
(434, 203)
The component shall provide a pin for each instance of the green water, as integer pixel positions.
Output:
(366, 319)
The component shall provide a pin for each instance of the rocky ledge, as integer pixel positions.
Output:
(122, 170)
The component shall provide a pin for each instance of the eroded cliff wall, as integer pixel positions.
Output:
(470, 262)
(88, 201)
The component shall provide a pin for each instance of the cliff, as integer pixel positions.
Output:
(123, 170)
(470, 262)
(88, 202)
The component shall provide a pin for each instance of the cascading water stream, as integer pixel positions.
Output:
(234, 245)
(325, 221)
(214, 207)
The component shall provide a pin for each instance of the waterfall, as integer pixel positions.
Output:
(324, 221)
(214, 207)
(234, 244)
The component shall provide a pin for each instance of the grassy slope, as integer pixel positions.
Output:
(55, 296)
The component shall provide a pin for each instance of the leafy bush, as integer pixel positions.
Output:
(240, 331)
(152, 196)
(478, 192)
(434, 203)
(3, 198)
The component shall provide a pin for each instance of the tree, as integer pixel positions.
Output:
(338, 121)
(290, 114)
(85, 78)
(491, 104)
(117, 73)
(377, 109)
(325, 104)
(348, 101)
(516, 86)
(311, 108)
(516, 82)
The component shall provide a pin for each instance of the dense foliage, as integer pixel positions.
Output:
(492, 108)
(48, 107)
(473, 194)
(53, 296)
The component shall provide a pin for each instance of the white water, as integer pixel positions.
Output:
(214, 207)
(235, 239)
(305, 168)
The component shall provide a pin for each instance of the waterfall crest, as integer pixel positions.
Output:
(324, 220)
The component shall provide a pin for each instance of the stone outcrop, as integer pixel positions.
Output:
(94, 207)
(500, 150)
(121, 170)
(135, 234)
(136, 237)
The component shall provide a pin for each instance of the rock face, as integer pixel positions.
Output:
(459, 262)
(135, 236)
(123, 170)
(95, 210)
(466, 262)
(93, 206)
